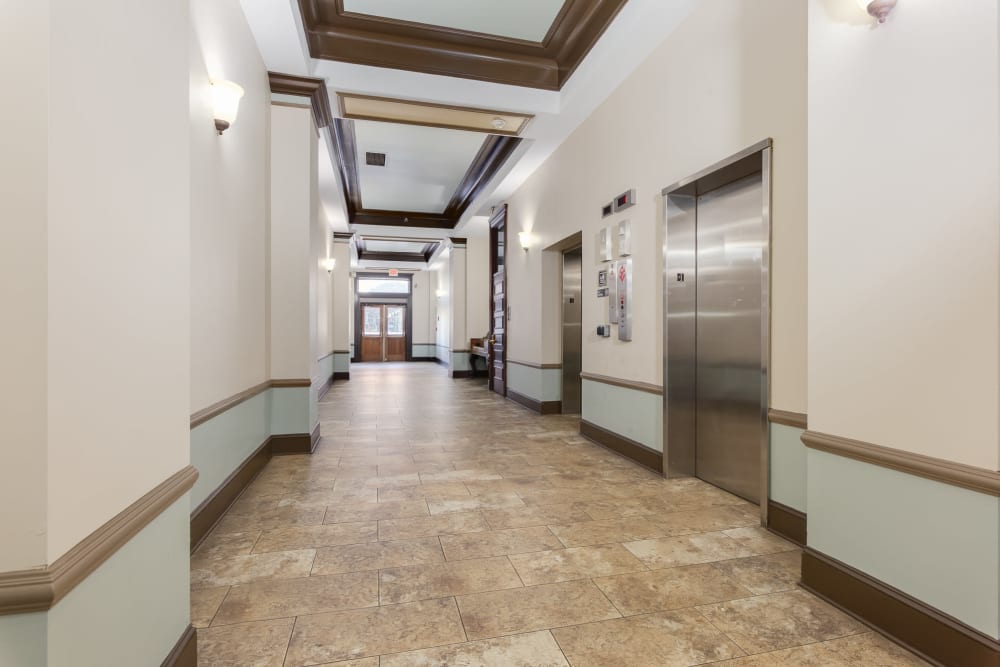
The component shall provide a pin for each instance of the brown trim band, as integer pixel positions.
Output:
(627, 384)
(541, 407)
(216, 409)
(326, 356)
(937, 637)
(341, 351)
(304, 86)
(630, 449)
(939, 470)
(185, 651)
(296, 382)
(529, 364)
(796, 419)
(40, 589)
(787, 521)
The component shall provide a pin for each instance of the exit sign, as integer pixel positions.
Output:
(393, 273)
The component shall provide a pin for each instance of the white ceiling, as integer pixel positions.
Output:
(520, 19)
(638, 29)
(423, 165)
(376, 245)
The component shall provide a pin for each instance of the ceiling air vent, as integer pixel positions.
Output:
(375, 159)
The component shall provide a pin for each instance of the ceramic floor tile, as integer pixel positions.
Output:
(687, 550)
(377, 555)
(204, 603)
(375, 511)
(673, 588)
(539, 607)
(363, 662)
(307, 537)
(281, 598)
(226, 545)
(760, 540)
(498, 543)
(438, 490)
(422, 582)
(666, 639)
(536, 649)
(872, 650)
(779, 620)
(277, 518)
(536, 515)
(608, 531)
(549, 567)
(349, 635)
(765, 574)
(494, 501)
(261, 644)
(244, 569)
(445, 524)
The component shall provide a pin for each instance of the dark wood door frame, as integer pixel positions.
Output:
(371, 298)
(498, 218)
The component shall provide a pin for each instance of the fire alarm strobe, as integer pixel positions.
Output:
(625, 200)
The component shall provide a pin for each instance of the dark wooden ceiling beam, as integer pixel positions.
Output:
(304, 86)
(402, 219)
(491, 156)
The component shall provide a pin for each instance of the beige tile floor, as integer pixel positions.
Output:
(438, 524)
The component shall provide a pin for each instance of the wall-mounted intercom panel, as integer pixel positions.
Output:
(623, 275)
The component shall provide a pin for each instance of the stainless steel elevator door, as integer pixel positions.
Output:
(572, 325)
(731, 239)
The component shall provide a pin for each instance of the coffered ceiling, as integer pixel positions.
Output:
(534, 43)
(399, 72)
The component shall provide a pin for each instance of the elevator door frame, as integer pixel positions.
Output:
(679, 203)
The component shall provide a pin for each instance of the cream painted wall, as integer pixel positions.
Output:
(343, 300)
(293, 167)
(119, 259)
(442, 306)
(228, 209)
(904, 169)
(457, 290)
(24, 66)
(731, 74)
(478, 281)
(423, 312)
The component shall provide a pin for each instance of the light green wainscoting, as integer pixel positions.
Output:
(129, 611)
(424, 350)
(460, 361)
(341, 362)
(633, 414)
(541, 384)
(221, 444)
(937, 542)
(788, 466)
(23, 640)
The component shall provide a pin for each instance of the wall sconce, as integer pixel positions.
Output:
(225, 103)
(526, 240)
(329, 263)
(439, 293)
(879, 9)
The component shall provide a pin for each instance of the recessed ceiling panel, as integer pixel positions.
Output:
(374, 245)
(365, 107)
(423, 165)
(519, 19)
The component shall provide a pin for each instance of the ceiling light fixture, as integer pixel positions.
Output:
(878, 9)
(498, 123)
(226, 97)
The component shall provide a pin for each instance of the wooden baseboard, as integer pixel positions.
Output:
(541, 407)
(325, 388)
(295, 443)
(787, 522)
(461, 375)
(431, 359)
(207, 514)
(930, 633)
(185, 651)
(342, 375)
(630, 449)
(441, 362)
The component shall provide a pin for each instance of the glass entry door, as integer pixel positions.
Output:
(383, 333)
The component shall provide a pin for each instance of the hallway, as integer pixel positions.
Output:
(439, 524)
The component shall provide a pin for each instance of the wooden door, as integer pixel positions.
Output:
(496, 344)
(372, 323)
(383, 333)
(395, 332)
